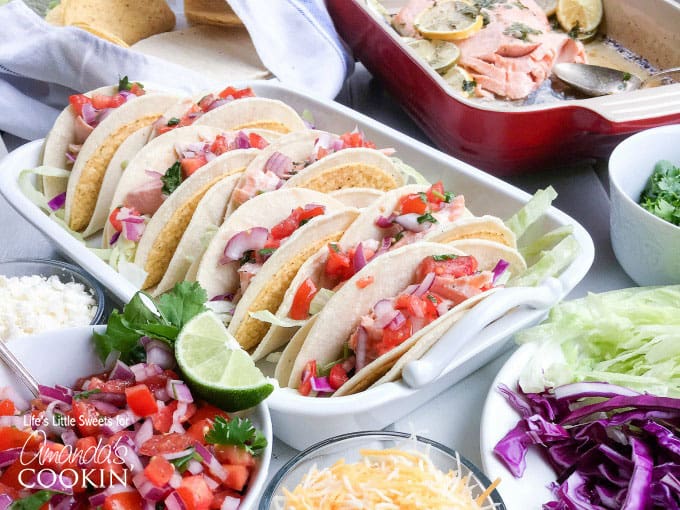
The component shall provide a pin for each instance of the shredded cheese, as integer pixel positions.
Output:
(385, 480)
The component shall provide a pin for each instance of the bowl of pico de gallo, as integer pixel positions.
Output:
(130, 436)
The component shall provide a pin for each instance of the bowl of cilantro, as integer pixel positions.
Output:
(644, 187)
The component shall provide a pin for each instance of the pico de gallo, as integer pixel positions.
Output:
(280, 167)
(129, 219)
(91, 110)
(441, 283)
(415, 215)
(252, 247)
(205, 104)
(129, 439)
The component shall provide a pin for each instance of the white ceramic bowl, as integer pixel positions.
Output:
(62, 356)
(647, 247)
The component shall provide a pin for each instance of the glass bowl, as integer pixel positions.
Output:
(347, 446)
(64, 271)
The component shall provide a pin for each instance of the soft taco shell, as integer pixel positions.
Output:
(57, 141)
(96, 153)
(270, 284)
(127, 150)
(265, 210)
(357, 197)
(488, 228)
(254, 113)
(205, 221)
(290, 353)
(338, 319)
(488, 253)
(166, 227)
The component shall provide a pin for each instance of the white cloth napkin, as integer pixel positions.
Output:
(40, 65)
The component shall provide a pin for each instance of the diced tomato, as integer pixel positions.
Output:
(232, 454)
(19, 471)
(412, 203)
(218, 499)
(55, 456)
(237, 476)
(159, 471)
(436, 194)
(140, 400)
(306, 383)
(13, 493)
(362, 283)
(156, 382)
(162, 419)
(310, 212)
(7, 408)
(102, 101)
(86, 418)
(338, 264)
(199, 429)
(77, 102)
(190, 165)
(285, 227)
(236, 93)
(412, 305)
(104, 471)
(206, 101)
(338, 376)
(356, 140)
(303, 298)
(392, 338)
(115, 222)
(124, 501)
(137, 89)
(167, 443)
(11, 437)
(322, 152)
(195, 493)
(207, 411)
(272, 243)
(459, 266)
(116, 386)
(256, 141)
(219, 145)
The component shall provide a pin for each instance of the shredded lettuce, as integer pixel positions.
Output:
(223, 309)
(532, 210)
(274, 357)
(320, 300)
(284, 322)
(121, 259)
(629, 337)
(409, 171)
(532, 252)
(30, 191)
(550, 263)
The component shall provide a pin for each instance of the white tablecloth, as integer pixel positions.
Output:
(582, 194)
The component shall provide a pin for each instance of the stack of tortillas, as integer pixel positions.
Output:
(216, 45)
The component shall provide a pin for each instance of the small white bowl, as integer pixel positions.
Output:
(646, 246)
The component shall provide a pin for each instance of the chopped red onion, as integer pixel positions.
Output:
(49, 394)
(144, 433)
(147, 489)
(384, 222)
(179, 391)
(178, 455)
(125, 450)
(154, 174)
(213, 484)
(242, 141)
(279, 164)
(177, 417)
(114, 238)
(57, 202)
(175, 480)
(442, 308)
(105, 407)
(121, 372)
(499, 269)
(216, 104)
(252, 239)
(385, 245)
(223, 297)
(325, 141)
(174, 502)
(70, 157)
(133, 229)
(410, 222)
(127, 94)
(69, 437)
(348, 364)
(7, 457)
(159, 353)
(321, 385)
(120, 422)
(359, 259)
(211, 462)
(230, 503)
(62, 502)
(102, 114)
(194, 467)
(58, 483)
(89, 114)
(384, 313)
(362, 340)
(143, 371)
(424, 285)
(397, 322)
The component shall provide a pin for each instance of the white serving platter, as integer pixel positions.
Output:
(300, 421)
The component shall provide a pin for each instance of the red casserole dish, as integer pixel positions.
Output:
(524, 138)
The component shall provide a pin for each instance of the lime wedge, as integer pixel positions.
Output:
(216, 368)
(581, 16)
(449, 20)
(441, 55)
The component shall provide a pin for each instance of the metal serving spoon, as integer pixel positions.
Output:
(18, 368)
(602, 81)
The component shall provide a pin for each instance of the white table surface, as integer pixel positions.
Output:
(452, 418)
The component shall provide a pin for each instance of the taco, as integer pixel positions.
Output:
(386, 309)
(156, 170)
(357, 197)
(320, 161)
(400, 217)
(259, 248)
(116, 118)
(232, 109)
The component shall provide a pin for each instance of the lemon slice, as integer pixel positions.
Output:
(548, 6)
(460, 81)
(441, 55)
(450, 21)
(582, 15)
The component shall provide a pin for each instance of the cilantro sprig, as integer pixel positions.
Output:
(239, 432)
(661, 196)
(172, 178)
(161, 319)
(33, 502)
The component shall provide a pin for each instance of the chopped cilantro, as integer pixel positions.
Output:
(426, 218)
(172, 178)
(86, 394)
(423, 197)
(125, 84)
(521, 31)
(182, 463)
(448, 195)
(33, 502)
(661, 196)
(432, 299)
(520, 5)
(440, 258)
(248, 256)
(240, 432)
(469, 86)
(334, 247)
(574, 31)
(626, 76)
(266, 251)
(399, 236)
(173, 121)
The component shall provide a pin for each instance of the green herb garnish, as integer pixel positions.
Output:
(440, 258)
(172, 178)
(248, 256)
(626, 76)
(125, 84)
(240, 432)
(86, 394)
(266, 251)
(521, 31)
(574, 31)
(432, 299)
(182, 463)
(661, 196)
(399, 236)
(520, 5)
(426, 218)
(173, 121)
(469, 86)
(33, 502)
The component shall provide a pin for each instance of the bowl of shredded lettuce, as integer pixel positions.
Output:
(644, 186)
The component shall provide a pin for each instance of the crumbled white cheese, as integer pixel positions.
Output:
(31, 304)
